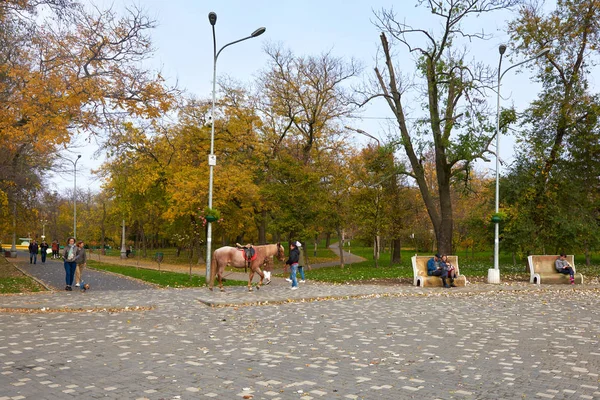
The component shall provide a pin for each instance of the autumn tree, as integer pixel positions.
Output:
(450, 89)
(304, 104)
(558, 163)
(69, 70)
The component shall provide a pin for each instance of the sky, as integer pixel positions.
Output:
(184, 50)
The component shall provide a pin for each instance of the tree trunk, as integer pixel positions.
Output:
(341, 246)
(262, 228)
(376, 244)
(396, 257)
(588, 260)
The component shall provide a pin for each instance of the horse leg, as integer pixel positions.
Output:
(262, 277)
(220, 276)
(250, 277)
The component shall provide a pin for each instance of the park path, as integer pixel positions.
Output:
(52, 273)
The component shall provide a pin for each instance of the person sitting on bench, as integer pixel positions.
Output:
(562, 265)
(435, 268)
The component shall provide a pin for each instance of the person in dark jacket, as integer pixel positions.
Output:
(293, 263)
(44, 249)
(33, 251)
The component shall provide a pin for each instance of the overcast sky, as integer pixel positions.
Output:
(183, 42)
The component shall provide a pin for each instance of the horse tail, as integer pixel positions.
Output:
(213, 271)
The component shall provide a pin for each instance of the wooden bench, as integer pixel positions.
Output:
(419, 264)
(541, 268)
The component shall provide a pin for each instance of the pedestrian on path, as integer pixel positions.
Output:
(81, 257)
(293, 263)
(33, 251)
(300, 264)
(70, 259)
(44, 249)
(55, 248)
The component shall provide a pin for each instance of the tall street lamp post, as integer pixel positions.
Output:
(123, 247)
(44, 222)
(212, 159)
(494, 274)
(74, 194)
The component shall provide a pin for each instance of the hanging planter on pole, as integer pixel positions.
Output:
(211, 215)
(498, 217)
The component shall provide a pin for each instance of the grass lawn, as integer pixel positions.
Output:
(160, 278)
(13, 281)
(475, 267)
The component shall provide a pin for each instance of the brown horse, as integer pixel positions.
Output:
(232, 256)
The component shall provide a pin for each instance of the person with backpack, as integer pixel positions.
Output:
(70, 259)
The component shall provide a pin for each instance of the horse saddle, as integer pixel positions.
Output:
(249, 252)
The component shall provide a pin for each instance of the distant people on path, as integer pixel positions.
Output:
(300, 264)
(44, 249)
(81, 258)
(449, 268)
(33, 251)
(435, 268)
(55, 248)
(70, 260)
(293, 263)
(562, 265)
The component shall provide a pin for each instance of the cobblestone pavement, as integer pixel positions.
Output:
(318, 342)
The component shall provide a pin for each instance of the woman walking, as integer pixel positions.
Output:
(70, 259)
(81, 263)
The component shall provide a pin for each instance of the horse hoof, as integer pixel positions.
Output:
(250, 289)
(258, 288)
(210, 289)
(222, 290)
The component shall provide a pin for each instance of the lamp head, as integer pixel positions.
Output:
(502, 49)
(212, 18)
(543, 52)
(78, 156)
(258, 32)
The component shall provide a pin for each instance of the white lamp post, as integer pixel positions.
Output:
(212, 159)
(44, 222)
(123, 247)
(74, 194)
(494, 274)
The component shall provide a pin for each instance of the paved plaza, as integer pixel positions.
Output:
(320, 342)
(355, 342)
